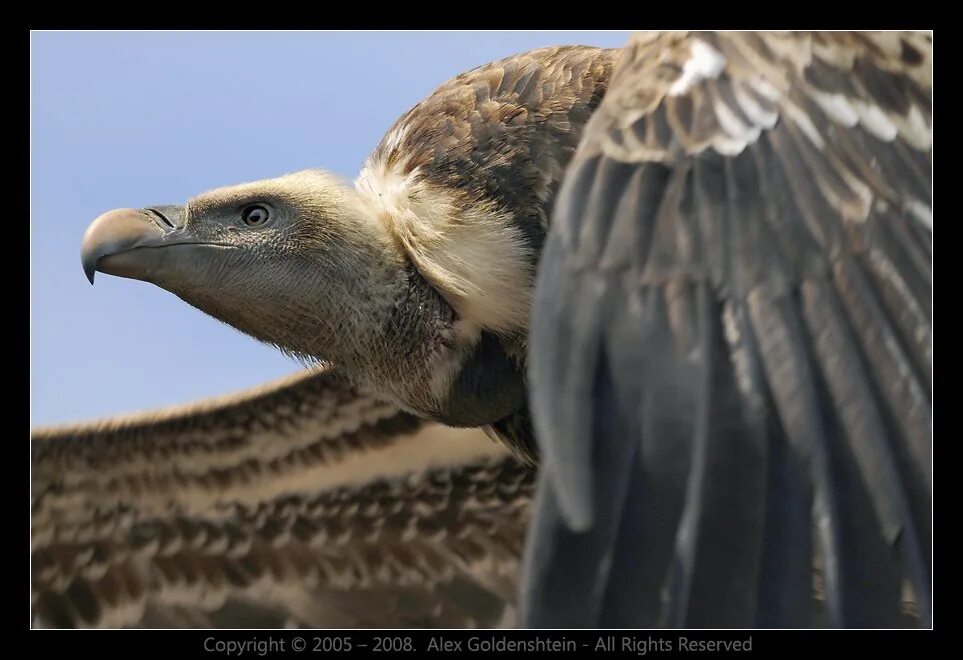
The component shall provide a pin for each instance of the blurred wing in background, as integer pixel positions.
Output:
(731, 342)
(302, 503)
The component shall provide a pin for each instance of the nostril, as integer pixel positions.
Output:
(161, 217)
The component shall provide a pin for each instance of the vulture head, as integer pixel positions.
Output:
(294, 261)
(307, 263)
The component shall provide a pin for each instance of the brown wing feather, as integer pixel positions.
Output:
(304, 502)
(505, 131)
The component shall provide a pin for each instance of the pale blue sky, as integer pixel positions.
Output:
(136, 119)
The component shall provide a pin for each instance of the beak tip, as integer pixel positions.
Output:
(89, 265)
(113, 232)
(88, 260)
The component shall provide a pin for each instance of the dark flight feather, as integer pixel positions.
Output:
(730, 357)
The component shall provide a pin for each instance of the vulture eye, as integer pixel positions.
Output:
(255, 216)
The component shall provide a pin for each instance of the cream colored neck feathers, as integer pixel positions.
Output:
(470, 252)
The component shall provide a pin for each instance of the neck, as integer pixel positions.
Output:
(405, 348)
(392, 330)
(468, 248)
(431, 348)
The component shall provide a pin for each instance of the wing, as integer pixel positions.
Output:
(304, 503)
(731, 348)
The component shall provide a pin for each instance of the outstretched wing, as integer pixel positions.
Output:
(731, 346)
(302, 503)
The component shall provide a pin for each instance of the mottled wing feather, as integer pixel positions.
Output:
(505, 131)
(303, 503)
(731, 341)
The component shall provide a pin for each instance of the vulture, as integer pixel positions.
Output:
(684, 287)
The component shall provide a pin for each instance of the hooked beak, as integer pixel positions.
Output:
(125, 242)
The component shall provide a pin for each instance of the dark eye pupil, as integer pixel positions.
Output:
(255, 215)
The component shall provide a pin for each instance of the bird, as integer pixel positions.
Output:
(685, 283)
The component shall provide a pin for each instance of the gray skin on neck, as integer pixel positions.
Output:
(392, 334)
